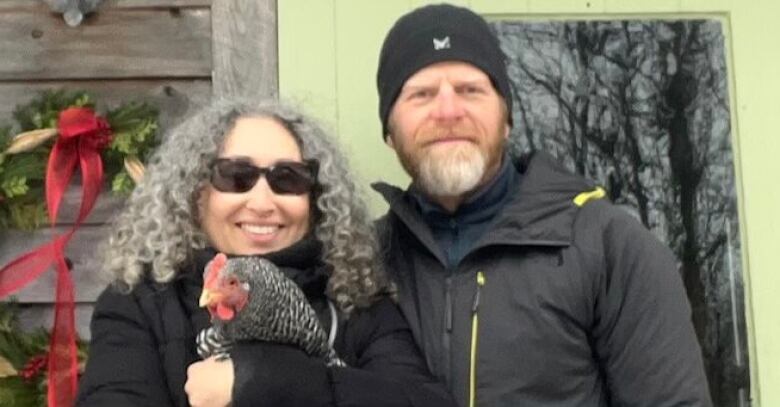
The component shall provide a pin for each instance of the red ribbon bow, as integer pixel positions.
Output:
(82, 135)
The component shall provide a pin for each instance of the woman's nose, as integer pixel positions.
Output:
(260, 198)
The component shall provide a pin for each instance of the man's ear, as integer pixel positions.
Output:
(507, 130)
(389, 140)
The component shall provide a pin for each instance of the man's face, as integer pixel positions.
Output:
(449, 128)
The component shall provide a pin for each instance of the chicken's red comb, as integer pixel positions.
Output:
(212, 269)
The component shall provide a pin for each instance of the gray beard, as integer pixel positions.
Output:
(451, 174)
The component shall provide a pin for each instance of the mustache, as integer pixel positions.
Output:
(435, 133)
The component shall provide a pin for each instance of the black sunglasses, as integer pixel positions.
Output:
(284, 177)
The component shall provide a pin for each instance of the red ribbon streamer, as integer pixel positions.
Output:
(82, 135)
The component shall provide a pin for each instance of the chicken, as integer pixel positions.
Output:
(249, 298)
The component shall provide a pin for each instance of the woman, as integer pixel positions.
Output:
(242, 179)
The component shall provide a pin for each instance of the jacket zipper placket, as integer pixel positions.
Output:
(449, 313)
(474, 337)
(447, 336)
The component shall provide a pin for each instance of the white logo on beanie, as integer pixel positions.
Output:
(443, 43)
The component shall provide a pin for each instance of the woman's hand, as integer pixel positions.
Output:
(210, 383)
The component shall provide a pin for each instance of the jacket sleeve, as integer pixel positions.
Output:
(123, 368)
(385, 369)
(644, 336)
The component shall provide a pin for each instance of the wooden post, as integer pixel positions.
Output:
(244, 44)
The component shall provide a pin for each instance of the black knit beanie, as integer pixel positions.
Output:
(432, 34)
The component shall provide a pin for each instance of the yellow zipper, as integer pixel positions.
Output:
(474, 329)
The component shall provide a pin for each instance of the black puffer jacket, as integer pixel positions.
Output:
(562, 302)
(142, 344)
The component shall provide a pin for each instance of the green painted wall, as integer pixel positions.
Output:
(328, 50)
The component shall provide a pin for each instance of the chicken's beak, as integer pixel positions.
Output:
(206, 298)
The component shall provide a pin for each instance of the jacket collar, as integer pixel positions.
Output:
(540, 214)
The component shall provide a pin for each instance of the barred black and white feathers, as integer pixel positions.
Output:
(211, 343)
(249, 298)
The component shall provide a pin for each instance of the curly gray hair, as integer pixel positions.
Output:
(158, 230)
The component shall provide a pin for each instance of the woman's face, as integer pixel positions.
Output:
(259, 220)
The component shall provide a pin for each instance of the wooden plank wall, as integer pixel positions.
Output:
(175, 54)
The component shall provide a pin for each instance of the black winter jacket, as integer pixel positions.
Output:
(143, 342)
(566, 300)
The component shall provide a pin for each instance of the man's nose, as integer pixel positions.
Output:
(449, 106)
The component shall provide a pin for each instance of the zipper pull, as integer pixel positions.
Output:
(480, 283)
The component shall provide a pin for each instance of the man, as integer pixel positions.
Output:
(522, 284)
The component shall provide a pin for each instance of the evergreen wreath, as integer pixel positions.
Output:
(23, 361)
(23, 156)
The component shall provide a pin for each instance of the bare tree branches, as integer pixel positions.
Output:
(642, 107)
